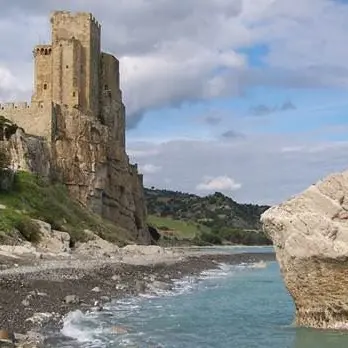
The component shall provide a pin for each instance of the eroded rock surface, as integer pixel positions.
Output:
(310, 235)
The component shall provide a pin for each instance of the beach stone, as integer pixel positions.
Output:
(116, 277)
(119, 330)
(7, 338)
(105, 299)
(72, 299)
(40, 319)
(97, 307)
(310, 236)
(31, 340)
(96, 289)
(140, 286)
(161, 285)
(26, 303)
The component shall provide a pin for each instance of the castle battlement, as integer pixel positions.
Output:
(42, 50)
(20, 106)
(15, 106)
(74, 15)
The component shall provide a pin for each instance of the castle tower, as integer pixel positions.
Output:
(43, 83)
(76, 46)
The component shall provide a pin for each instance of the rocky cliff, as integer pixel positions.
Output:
(81, 156)
(310, 235)
(97, 171)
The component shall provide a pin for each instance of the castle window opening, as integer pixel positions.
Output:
(67, 66)
(106, 87)
(45, 86)
(42, 51)
(46, 51)
(73, 94)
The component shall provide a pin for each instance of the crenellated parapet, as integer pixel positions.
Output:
(43, 50)
(35, 118)
(20, 106)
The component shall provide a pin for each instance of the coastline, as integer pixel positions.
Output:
(46, 293)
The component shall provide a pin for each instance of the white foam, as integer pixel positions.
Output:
(87, 328)
(72, 328)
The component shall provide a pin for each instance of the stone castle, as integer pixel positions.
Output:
(77, 114)
(72, 72)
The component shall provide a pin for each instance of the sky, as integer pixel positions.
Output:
(245, 97)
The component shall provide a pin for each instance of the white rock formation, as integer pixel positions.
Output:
(310, 235)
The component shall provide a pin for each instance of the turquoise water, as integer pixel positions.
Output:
(235, 306)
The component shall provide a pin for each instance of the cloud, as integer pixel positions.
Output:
(265, 110)
(232, 134)
(261, 110)
(172, 53)
(219, 183)
(150, 168)
(270, 167)
(212, 120)
(288, 106)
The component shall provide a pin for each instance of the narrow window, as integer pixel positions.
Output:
(73, 94)
(45, 86)
(67, 66)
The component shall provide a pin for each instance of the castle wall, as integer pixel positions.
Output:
(35, 118)
(112, 108)
(113, 116)
(66, 60)
(83, 27)
(42, 73)
(110, 77)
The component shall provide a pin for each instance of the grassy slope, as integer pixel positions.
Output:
(214, 219)
(180, 229)
(32, 197)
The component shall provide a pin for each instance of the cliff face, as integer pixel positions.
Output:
(97, 171)
(310, 235)
(82, 156)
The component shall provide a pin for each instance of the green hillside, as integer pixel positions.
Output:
(32, 197)
(214, 219)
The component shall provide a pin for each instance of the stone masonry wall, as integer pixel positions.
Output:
(35, 118)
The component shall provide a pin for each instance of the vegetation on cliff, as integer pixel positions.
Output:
(214, 219)
(32, 197)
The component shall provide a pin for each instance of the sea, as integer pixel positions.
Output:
(241, 306)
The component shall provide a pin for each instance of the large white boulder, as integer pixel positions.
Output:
(310, 235)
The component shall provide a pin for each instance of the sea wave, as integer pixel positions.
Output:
(94, 329)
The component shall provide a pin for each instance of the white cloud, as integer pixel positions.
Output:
(219, 183)
(172, 52)
(150, 168)
(268, 175)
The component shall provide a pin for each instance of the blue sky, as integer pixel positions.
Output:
(246, 97)
(313, 109)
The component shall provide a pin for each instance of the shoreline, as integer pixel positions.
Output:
(46, 295)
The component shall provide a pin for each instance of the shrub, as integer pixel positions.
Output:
(211, 238)
(29, 229)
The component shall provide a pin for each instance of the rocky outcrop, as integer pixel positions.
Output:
(84, 156)
(89, 160)
(29, 153)
(310, 236)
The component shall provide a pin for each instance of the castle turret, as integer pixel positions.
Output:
(82, 27)
(43, 83)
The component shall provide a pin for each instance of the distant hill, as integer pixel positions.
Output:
(212, 219)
